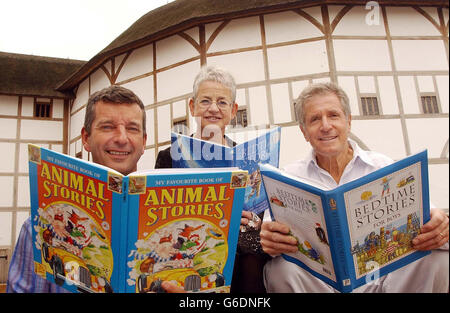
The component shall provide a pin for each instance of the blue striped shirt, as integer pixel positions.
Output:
(21, 276)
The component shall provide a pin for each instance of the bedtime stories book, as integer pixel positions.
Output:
(95, 230)
(359, 231)
(253, 145)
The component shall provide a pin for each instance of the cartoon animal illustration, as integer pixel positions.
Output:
(188, 230)
(255, 183)
(321, 234)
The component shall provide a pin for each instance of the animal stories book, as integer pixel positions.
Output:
(254, 145)
(359, 231)
(95, 230)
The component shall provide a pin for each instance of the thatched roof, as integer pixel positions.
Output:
(184, 14)
(30, 75)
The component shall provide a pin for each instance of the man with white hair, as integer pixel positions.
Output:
(324, 116)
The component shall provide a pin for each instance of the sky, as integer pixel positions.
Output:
(74, 29)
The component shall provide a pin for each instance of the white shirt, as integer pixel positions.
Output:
(362, 163)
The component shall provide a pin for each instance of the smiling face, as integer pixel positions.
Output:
(326, 126)
(117, 138)
(216, 116)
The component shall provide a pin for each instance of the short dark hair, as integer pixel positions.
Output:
(112, 94)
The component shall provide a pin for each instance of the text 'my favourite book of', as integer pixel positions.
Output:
(253, 146)
(359, 231)
(95, 230)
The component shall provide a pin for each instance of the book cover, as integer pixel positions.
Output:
(96, 230)
(254, 146)
(359, 231)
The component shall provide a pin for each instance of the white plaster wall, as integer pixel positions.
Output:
(409, 95)
(138, 63)
(27, 106)
(164, 122)
(172, 50)
(7, 157)
(48, 130)
(418, 25)
(293, 145)
(239, 33)
(442, 86)
(183, 75)
(8, 105)
(288, 26)
(388, 96)
(143, 88)
(360, 21)
(258, 105)
(425, 83)
(428, 133)
(23, 192)
(438, 176)
(99, 80)
(76, 123)
(420, 55)
(150, 127)
(281, 103)
(179, 109)
(6, 186)
(58, 108)
(362, 55)
(384, 136)
(82, 95)
(240, 97)
(8, 128)
(297, 87)
(23, 158)
(300, 59)
(366, 84)
(244, 66)
(348, 84)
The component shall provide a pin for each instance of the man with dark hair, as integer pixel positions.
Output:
(114, 133)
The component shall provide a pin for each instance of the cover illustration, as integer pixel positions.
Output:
(360, 230)
(95, 230)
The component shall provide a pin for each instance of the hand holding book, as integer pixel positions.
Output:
(276, 238)
(434, 233)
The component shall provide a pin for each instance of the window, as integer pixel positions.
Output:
(180, 126)
(42, 108)
(369, 106)
(429, 104)
(240, 119)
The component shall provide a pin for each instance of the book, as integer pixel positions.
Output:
(350, 235)
(254, 145)
(95, 230)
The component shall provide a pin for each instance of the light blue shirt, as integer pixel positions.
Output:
(21, 276)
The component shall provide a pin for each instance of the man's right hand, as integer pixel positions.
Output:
(275, 238)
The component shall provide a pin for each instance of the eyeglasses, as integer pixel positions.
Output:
(221, 104)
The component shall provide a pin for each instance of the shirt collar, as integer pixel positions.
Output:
(358, 154)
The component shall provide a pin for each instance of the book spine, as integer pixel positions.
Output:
(335, 215)
(123, 236)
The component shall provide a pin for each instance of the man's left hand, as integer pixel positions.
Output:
(433, 234)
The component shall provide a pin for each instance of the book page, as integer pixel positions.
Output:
(384, 216)
(302, 211)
